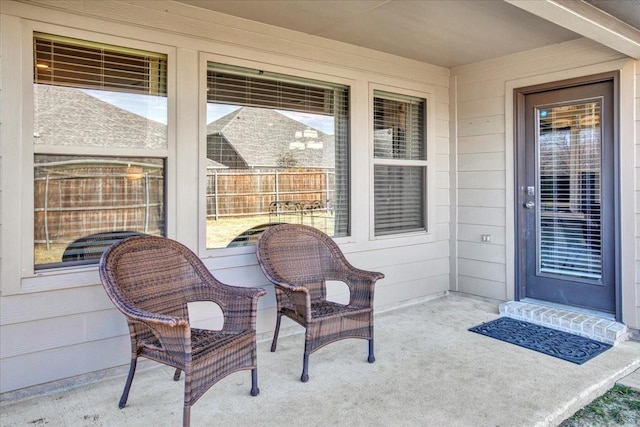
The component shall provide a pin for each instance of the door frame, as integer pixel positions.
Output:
(519, 172)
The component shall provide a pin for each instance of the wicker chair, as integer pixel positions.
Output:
(91, 247)
(299, 260)
(150, 280)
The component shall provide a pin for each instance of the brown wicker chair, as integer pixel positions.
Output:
(299, 260)
(150, 280)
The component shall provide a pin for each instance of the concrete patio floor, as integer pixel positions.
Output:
(429, 371)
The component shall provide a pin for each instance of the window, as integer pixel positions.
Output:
(277, 151)
(400, 163)
(94, 104)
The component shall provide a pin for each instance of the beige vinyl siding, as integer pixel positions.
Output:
(485, 160)
(481, 188)
(73, 328)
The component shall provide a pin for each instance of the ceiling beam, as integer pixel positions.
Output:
(588, 21)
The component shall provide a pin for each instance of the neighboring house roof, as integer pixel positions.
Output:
(263, 136)
(215, 165)
(71, 117)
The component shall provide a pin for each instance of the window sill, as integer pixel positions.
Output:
(60, 278)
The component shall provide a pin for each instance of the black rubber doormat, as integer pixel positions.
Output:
(562, 345)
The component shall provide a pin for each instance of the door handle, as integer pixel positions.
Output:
(529, 205)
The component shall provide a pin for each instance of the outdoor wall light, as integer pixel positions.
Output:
(134, 172)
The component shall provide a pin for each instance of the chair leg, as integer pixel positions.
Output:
(127, 385)
(176, 376)
(305, 368)
(186, 416)
(276, 332)
(254, 382)
(371, 358)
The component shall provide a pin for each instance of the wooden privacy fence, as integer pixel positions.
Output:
(78, 198)
(241, 192)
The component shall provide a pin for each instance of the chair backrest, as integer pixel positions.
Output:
(250, 236)
(152, 273)
(91, 247)
(300, 255)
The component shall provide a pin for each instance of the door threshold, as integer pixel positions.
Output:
(586, 323)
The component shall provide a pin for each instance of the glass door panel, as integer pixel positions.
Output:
(569, 159)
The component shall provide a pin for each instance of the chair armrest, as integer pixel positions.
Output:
(297, 297)
(364, 274)
(241, 291)
(174, 333)
(361, 285)
(155, 319)
(239, 304)
(241, 307)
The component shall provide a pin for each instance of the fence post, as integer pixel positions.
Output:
(326, 191)
(46, 214)
(277, 193)
(215, 194)
(146, 202)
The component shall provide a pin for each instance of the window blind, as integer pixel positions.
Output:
(63, 61)
(399, 127)
(94, 96)
(399, 163)
(312, 108)
(399, 196)
(569, 160)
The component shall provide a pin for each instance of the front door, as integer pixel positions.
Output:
(565, 202)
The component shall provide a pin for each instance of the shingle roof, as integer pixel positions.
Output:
(262, 136)
(215, 165)
(68, 116)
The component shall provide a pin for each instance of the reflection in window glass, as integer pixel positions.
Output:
(277, 151)
(83, 204)
(86, 94)
(89, 95)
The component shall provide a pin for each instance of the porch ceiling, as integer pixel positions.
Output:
(444, 32)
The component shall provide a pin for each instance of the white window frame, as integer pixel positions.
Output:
(22, 277)
(426, 93)
(299, 70)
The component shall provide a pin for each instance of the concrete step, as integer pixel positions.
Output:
(632, 380)
(591, 326)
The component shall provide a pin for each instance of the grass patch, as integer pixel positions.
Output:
(620, 406)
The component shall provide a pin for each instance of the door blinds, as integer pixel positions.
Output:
(569, 162)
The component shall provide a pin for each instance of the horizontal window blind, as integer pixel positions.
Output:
(292, 135)
(63, 61)
(255, 88)
(399, 187)
(398, 123)
(399, 195)
(569, 142)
